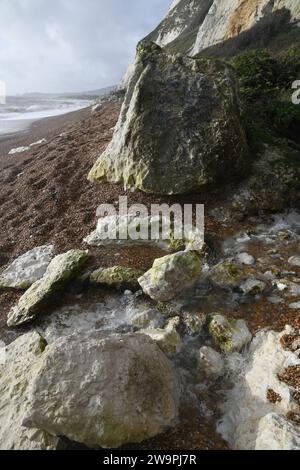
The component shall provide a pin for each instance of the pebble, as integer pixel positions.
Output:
(210, 362)
(242, 238)
(295, 260)
(275, 300)
(295, 305)
(281, 286)
(253, 286)
(128, 293)
(245, 258)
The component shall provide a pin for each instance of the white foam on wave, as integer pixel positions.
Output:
(35, 113)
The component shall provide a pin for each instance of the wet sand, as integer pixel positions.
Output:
(12, 128)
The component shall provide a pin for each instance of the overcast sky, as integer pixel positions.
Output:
(71, 45)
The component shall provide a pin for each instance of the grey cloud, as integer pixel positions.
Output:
(71, 45)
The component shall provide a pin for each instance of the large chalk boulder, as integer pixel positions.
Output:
(104, 390)
(179, 128)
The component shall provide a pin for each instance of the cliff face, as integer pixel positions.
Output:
(182, 22)
(194, 25)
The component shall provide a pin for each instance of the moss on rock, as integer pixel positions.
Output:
(119, 277)
(61, 269)
(228, 334)
(227, 273)
(171, 274)
(179, 128)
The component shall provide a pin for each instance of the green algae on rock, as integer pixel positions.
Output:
(16, 375)
(171, 274)
(179, 128)
(229, 334)
(119, 277)
(227, 274)
(61, 269)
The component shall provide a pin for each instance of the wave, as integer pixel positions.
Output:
(21, 108)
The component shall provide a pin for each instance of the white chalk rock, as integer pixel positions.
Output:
(245, 258)
(210, 363)
(104, 390)
(61, 269)
(28, 268)
(17, 367)
(295, 261)
(295, 305)
(168, 339)
(170, 275)
(247, 403)
(275, 432)
(96, 108)
(253, 286)
(150, 318)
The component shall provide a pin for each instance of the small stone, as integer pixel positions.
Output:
(272, 273)
(96, 108)
(149, 319)
(295, 305)
(274, 300)
(170, 275)
(243, 238)
(167, 338)
(61, 269)
(295, 289)
(281, 286)
(295, 260)
(28, 268)
(229, 334)
(194, 322)
(128, 293)
(117, 277)
(245, 258)
(210, 362)
(275, 432)
(227, 274)
(253, 286)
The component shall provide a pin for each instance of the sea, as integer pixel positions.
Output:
(19, 111)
